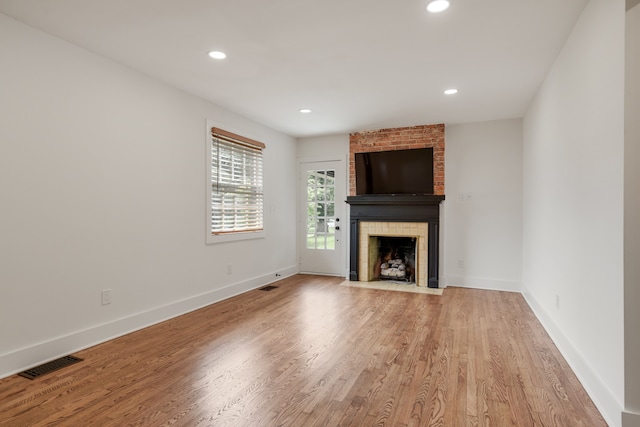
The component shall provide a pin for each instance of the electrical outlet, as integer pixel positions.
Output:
(106, 296)
(460, 264)
(229, 269)
(278, 275)
(557, 301)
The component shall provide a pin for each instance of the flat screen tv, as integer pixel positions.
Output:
(395, 172)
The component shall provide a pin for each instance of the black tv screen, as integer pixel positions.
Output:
(395, 172)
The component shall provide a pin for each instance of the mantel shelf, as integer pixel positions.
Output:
(396, 199)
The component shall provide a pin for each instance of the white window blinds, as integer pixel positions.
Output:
(236, 183)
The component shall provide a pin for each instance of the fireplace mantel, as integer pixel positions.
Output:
(398, 208)
(394, 199)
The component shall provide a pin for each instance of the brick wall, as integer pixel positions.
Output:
(400, 139)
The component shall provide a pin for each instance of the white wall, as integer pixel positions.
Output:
(573, 203)
(102, 185)
(328, 147)
(482, 214)
(632, 218)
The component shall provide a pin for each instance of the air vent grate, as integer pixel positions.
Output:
(268, 288)
(45, 368)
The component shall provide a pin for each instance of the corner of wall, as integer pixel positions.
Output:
(630, 419)
(597, 390)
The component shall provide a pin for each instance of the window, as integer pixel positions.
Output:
(236, 194)
(321, 201)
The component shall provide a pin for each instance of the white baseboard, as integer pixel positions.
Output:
(37, 354)
(606, 402)
(481, 283)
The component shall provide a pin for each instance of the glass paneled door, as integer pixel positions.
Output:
(322, 224)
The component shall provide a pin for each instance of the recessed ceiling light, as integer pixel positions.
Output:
(216, 54)
(438, 6)
(305, 110)
(451, 91)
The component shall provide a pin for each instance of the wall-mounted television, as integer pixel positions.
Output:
(395, 172)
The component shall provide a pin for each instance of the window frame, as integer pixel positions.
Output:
(211, 237)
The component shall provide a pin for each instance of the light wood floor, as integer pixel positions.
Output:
(313, 353)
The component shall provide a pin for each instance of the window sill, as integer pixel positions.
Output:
(234, 237)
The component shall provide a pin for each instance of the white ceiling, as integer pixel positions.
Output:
(359, 64)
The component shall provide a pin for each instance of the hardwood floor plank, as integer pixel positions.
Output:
(313, 353)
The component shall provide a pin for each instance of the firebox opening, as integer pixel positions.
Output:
(392, 258)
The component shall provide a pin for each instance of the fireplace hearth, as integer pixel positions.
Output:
(400, 216)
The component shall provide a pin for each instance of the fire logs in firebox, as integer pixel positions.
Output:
(393, 269)
(398, 262)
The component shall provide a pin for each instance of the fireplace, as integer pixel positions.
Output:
(410, 217)
(407, 213)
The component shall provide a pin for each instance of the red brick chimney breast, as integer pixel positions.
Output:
(424, 136)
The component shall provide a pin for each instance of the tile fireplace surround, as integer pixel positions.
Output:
(419, 230)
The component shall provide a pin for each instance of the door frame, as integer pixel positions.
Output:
(301, 215)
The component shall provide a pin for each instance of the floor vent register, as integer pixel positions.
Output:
(48, 367)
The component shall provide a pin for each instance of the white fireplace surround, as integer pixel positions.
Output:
(417, 230)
